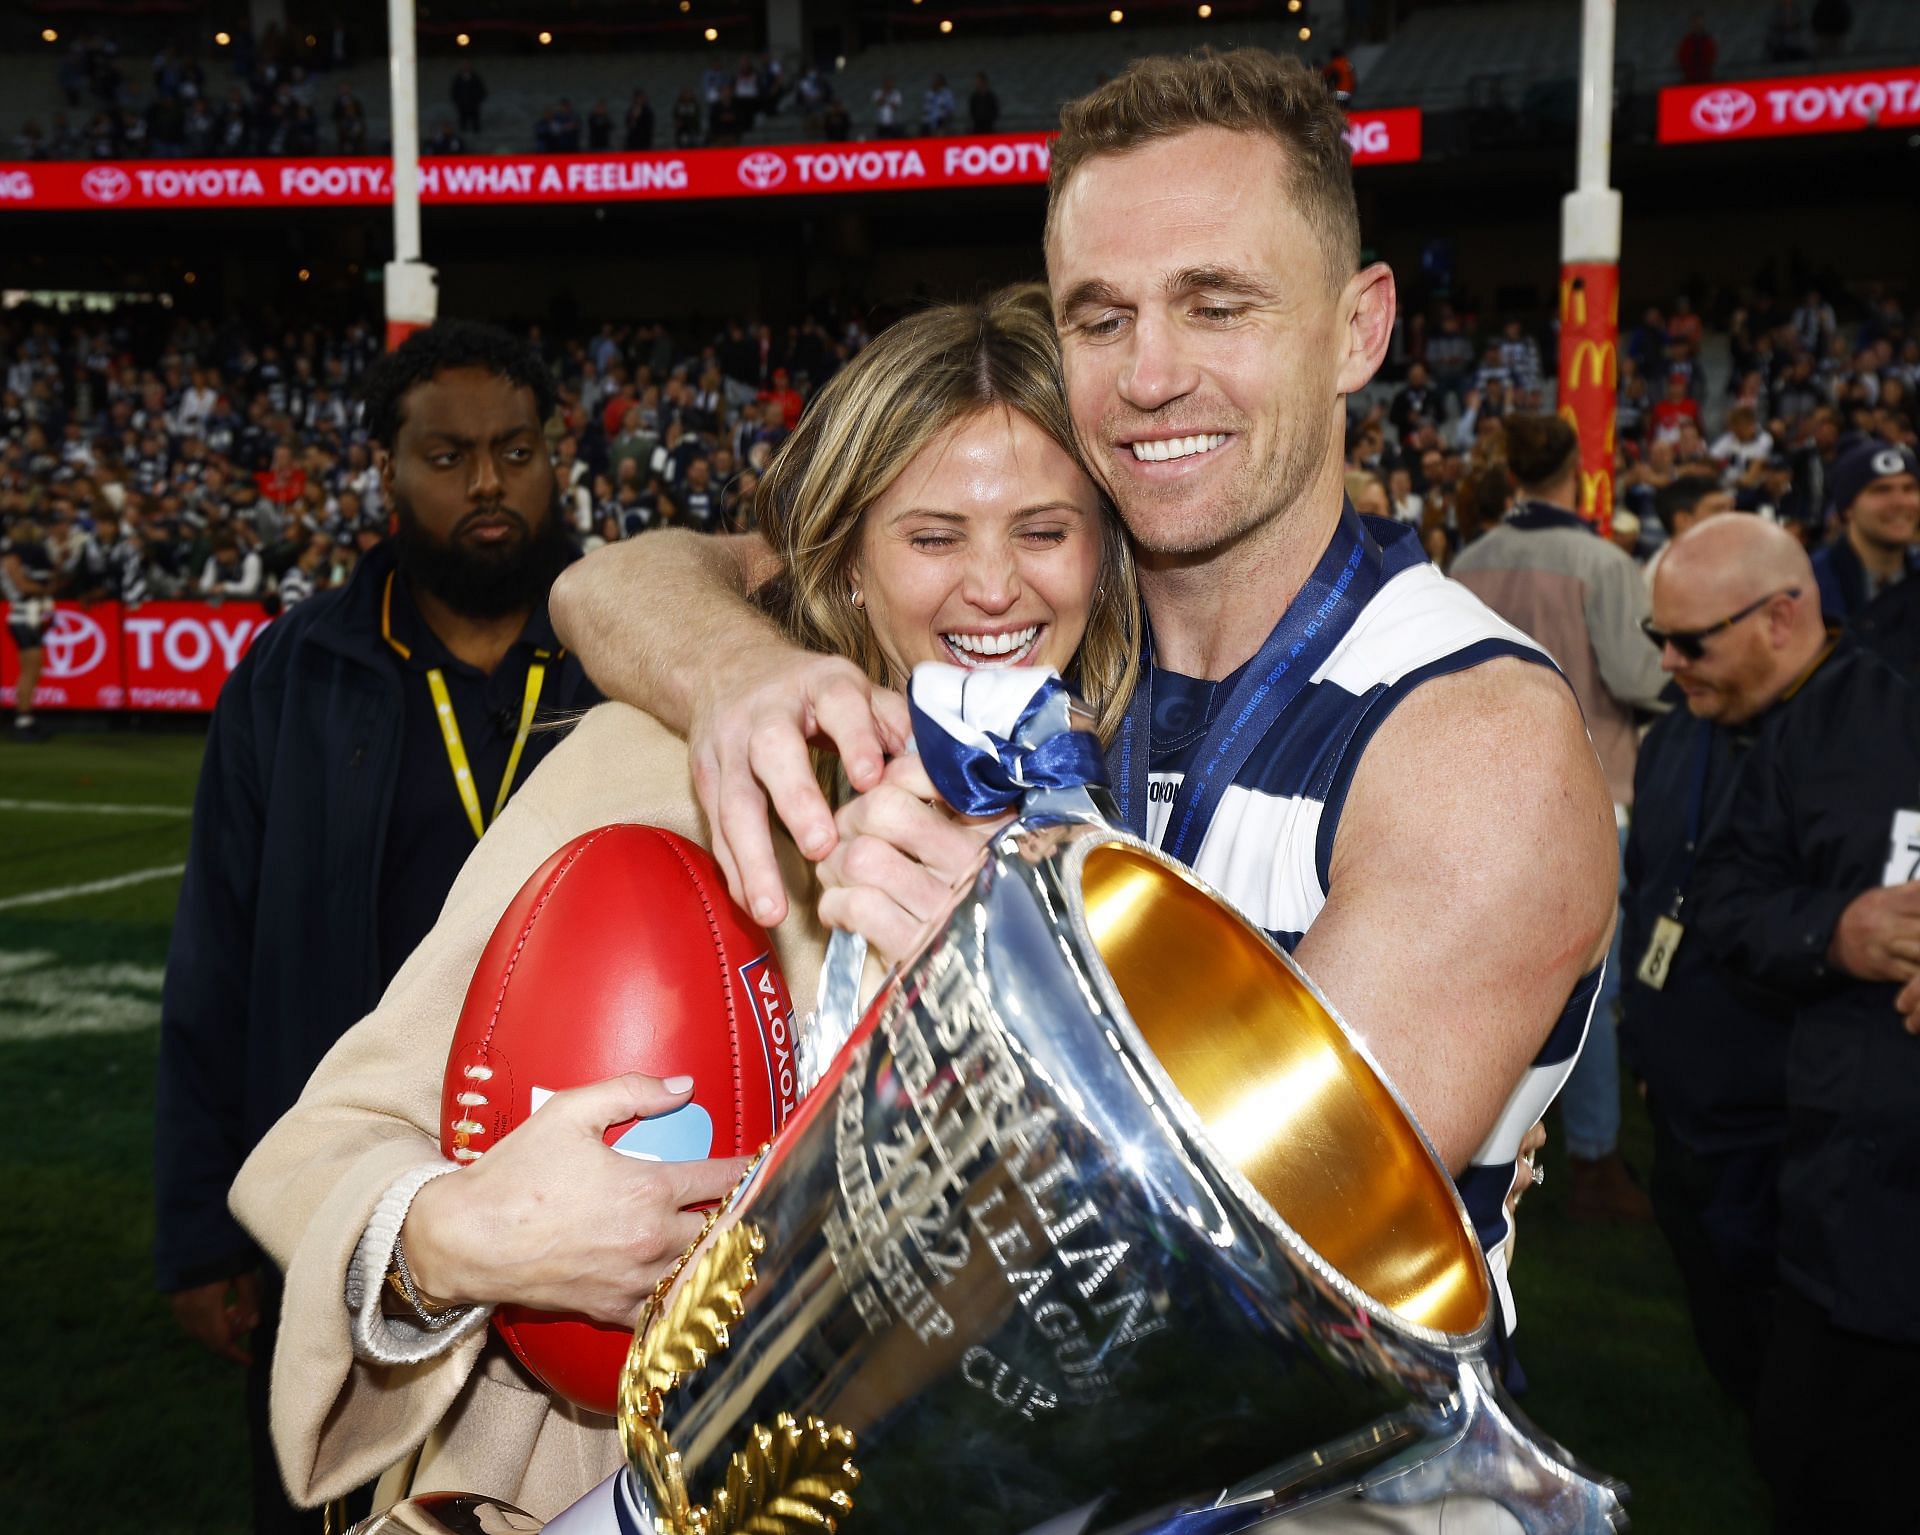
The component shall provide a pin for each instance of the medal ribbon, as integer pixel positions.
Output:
(450, 726)
(1317, 619)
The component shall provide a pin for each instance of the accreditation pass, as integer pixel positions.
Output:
(1903, 852)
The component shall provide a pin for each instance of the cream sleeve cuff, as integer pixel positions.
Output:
(377, 1337)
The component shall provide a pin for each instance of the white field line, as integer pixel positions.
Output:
(62, 807)
(43, 999)
(91, 887)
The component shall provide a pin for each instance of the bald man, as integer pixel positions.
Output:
(1736, 614)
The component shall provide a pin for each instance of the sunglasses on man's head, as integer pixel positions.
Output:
(1692, 643)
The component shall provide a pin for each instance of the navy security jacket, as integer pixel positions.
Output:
(275, 950)
(1809, 830)
(1710, 1044)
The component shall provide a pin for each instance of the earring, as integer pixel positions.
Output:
(859, 598)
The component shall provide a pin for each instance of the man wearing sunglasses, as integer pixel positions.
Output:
(1737, 621)
(1811, 888)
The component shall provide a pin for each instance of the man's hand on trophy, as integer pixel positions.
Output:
(554, 1219)
(899, 854)
(758, 712)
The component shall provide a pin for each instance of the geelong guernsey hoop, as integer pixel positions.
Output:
(1246, 777)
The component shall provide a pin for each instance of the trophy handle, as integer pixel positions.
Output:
(1489, 1449)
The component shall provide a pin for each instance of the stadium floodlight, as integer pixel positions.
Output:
(946, 26)
(1205, 12)
(545, 38)
(460, 39)
(221, 39)
(1294, 6)
(48, 35)
(1306, 34)
(713, 34)
(305, 273)
(1116, 17)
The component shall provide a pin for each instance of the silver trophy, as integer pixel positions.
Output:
(1100, 1220)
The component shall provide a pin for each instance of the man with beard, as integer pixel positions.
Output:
(360, 749)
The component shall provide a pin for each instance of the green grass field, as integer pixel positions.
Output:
(110, 1419)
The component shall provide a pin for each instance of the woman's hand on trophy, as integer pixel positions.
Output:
(900, 853)
(751, 727)
(555, 1219)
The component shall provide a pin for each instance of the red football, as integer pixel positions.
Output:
(622, 953)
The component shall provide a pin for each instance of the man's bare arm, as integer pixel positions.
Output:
(1472, 884)
(663, 622)
(646, 614)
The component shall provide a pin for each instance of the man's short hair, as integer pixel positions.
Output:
(1681, 495)
(445, 344)
(1244, 90)
(1540, 450)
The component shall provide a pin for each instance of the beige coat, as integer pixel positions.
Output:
(371, 1114)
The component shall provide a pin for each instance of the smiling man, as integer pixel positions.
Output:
(1381, 773)
(337, 801)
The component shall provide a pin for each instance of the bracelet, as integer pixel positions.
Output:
(433, 1315)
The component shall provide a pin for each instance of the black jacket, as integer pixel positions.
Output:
(1809, 831)
(275, 949)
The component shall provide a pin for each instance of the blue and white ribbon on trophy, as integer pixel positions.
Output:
(993, 741)
(1005, 740)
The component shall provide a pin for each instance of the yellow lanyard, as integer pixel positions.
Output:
(450, 727)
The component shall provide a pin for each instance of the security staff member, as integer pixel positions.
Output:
(1737, 619)
(1813, 887)
(368, 739)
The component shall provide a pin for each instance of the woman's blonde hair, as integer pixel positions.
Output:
(918, 378)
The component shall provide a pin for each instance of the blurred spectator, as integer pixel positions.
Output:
(1545, 570)
(1832, 20)
(836, 123)
(639, 122)
(936, 107)
(1339, 75)
(1740, 632)
(469, 92)
(983, 106)
(599, 127)
(1786, 41)
(230, 571)
(1876, 500)
(1697, 52)
(688, 131)
(444, 141)
(886, 110)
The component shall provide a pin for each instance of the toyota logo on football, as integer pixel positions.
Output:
(106, 184)
(75, 644)
(1723, 111)
(763, 170)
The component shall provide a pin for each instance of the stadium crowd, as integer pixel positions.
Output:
(1801, 386)
(220, 464)
(261, 103)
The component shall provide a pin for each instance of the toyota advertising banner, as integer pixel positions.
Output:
(158, 656)
(779, 170)
(1790, 104)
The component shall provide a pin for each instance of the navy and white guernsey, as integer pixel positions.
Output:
(1270, 839)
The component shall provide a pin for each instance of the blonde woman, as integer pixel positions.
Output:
(930, 506)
